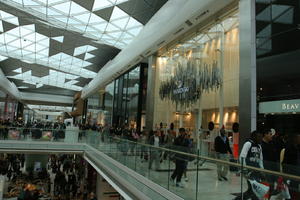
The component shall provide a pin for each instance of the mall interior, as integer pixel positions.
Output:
(149, 99)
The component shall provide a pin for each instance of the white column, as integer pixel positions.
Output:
(221, 92)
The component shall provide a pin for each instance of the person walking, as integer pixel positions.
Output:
(251, 155)
(270, 161)
(223, 152)
(154, 140)
(181, 144)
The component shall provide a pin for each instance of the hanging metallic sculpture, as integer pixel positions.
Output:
(190, 81)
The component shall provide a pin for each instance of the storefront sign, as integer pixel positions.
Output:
(181, 90)
(284, 106)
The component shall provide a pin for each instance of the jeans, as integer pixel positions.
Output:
(154, 156)
(180, 166)
(222, 168)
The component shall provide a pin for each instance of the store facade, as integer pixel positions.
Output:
(124, 99)
(278, 76)
(197, 80)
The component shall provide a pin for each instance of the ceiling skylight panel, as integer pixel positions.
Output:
(111, 28)
(18, 1)
(30, 27)
(70, 76)
(71, 82)
(121, 23)
(62, 19)
(2, 39)
(100, 26)
(45, 52)
(29, 3)
(16, 43)
(30, 37)
(78, 51)
(95, 19)
(39, 85)
(63, 7)
(10, 49)
(52, 12)
(39, 56)
(73, 21)
(76, 9)
(118, 13)
(54, 1)
(80, 28)
(39, 48)
(89, 29)
(19, 70)
(1, 26)
(115, 35)
(13, 20)
(133, 23)
(135, 31)
(88, 56)
(90, 48)
(25, 31)
(100, 4)
(44, 42)
(84, 18)
(30, 48)
(25, 52)
(42, 10)
(120, 1)
(9, 38)
(2, 58)
(3, 48)
(85, 64)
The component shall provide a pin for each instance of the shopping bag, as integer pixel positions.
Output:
(259, 189)
(281, 186)
(285, 193)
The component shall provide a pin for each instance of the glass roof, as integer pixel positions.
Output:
(66, 14)
(25, 42)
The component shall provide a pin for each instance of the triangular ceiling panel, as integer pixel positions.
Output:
(87, 4)
(100, 4)
(8, 26)
(59, 39)
(105, 13)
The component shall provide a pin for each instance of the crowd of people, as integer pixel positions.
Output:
(35, 129)
(64, 177)
(264, 149)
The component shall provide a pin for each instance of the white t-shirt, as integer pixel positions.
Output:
(156, 141)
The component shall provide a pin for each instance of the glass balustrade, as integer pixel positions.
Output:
(202, 177)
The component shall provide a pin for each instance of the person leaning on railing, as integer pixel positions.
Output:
(251, 155)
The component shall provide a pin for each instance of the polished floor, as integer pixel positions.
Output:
(202, 183)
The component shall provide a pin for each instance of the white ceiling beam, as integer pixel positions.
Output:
(161, 27)
(8, 87)
(49, 98)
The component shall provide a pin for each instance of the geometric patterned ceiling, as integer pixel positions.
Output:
(64, 43)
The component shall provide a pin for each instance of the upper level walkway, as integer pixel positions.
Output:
(141, 171)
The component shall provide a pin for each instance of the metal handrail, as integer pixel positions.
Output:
(199, 157)
(288, 176)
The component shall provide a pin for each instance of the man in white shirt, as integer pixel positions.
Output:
(251, 155)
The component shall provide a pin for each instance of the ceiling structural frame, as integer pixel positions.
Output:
(171, 21)
(64, 43)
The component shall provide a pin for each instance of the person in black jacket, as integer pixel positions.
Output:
(182, 144)
(223, 150)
